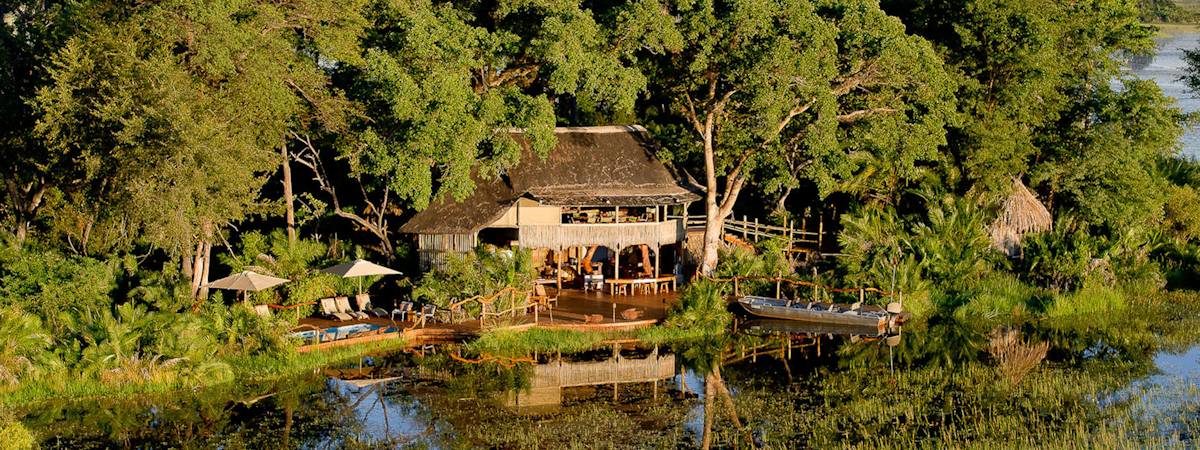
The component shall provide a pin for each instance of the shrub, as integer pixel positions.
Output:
(701, 307)
(953, 246)
(14, 433)
(485, 271)
(1058, 259)
(25, 347)
(48, 283)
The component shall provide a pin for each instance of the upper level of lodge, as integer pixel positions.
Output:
(598, 186)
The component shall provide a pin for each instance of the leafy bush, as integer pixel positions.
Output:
(1181, 218)
(25, 348)
(15, 435)
(1057, 259)
(485, 271)
(953, 246)
(701, 307)
(48, 284)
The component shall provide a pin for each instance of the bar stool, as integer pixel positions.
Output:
(647, 288)
(622, 289)
(664, 286)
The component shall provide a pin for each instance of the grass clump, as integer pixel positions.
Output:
(1094, 299)
(513, 343)
(14, 433)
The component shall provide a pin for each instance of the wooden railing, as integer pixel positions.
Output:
(817, 288)
(754, 231)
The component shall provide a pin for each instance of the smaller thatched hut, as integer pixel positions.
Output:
(1021, 213)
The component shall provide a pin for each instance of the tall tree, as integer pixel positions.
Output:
(173, 114)
(30, 32)
(442, 84)
(797, 85)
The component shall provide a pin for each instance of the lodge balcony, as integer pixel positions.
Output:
(612, 235)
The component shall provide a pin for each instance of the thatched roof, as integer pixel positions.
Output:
(1021, 213)
(589, 166)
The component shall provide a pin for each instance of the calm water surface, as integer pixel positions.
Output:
(1165, 68)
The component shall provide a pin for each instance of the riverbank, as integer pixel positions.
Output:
(243, 370)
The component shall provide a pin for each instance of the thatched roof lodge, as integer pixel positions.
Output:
(1021, 213)
(599, 186)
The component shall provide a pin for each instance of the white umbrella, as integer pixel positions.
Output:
(247, 281)
(359, 268)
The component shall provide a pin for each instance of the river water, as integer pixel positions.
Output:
(1165, 68)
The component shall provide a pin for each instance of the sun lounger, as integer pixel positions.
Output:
(343, 306)
(329, 309)
(364, 305)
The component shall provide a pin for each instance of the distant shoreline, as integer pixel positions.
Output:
(1171, 28)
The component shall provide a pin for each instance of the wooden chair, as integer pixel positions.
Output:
(539, 293)
(621, 289)
(664, 286)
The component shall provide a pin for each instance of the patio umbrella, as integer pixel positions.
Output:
(359, 268)
(247, 281)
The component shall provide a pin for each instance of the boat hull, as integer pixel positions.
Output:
(767, 308)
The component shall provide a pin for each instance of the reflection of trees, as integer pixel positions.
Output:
(296, 412)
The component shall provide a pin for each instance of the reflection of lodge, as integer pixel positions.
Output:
(549, 379)
(596, 205)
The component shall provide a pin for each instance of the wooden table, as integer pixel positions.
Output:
(633, 282)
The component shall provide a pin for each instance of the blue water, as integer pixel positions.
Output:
(1165, 67)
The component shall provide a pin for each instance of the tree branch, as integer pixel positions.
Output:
(863, 113)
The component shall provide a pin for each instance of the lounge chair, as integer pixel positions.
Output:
(539, 293)
(402, 310)
(329, 310)
(427, 313)
(343, 306)
(364, 305)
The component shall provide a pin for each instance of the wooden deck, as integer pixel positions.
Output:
(573, 308)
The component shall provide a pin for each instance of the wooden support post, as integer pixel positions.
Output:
(657, 250)
(756, 230)
(820, 231)
(617, 263)
(745, 227)
(558, 258)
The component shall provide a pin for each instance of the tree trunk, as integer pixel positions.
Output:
(287, 195)
(781, 202)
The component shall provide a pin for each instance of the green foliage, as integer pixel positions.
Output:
(483, 272)
(1095, 301)
(299, 262)
(522, 343)
(16, 435)
(1168, 11)
(1181, 218)
(701, 308)
(952, 245)
(25, 350)
(999, 297)
(1058, 259)
(49, 284)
